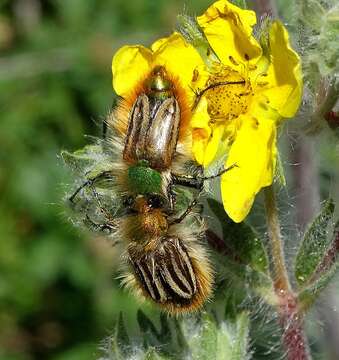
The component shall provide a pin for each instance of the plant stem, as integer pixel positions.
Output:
(280, 275)
(291, 320)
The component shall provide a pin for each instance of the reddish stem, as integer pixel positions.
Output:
(291, 321)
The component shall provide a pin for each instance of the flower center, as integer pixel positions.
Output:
(228, 95)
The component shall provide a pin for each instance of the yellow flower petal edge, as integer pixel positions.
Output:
(253, 152)
(133, 63)
(129, 65)
(284, 72)
(229, 32)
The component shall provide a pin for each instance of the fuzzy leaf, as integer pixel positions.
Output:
(310, 294)
(241, 239)
(165, 331)
(314, 245)
(233, 339)
(118, 347)
(153, 355)
(325, 272)
(228, 340)
(312, 14)
(244, 277)
(91, 160)
(181, 340)
(204, 346)
(122, 336)
(148, 330)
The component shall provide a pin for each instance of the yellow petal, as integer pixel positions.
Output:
(253, 151)
(229, 32)
(179, 58)
(201, 131)
(284, 73)
(214, 144)
(130, 64)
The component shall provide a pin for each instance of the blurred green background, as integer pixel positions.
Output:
(58, 292)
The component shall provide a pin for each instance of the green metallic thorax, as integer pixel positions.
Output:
(158, 85)
(144, 180)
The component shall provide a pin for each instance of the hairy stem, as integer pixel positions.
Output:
(294, 339)
(279, 271)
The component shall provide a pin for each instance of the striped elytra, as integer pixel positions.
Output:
(167, 274)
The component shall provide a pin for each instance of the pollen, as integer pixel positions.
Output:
(228, 95)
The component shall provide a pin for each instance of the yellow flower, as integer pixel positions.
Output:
(242, 119)
(249, 91)
(131, 64)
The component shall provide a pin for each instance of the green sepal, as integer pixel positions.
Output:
(314, 245)
(262, 35)
(143, 179)
(241, 239)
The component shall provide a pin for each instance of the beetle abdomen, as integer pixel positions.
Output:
(166, 273)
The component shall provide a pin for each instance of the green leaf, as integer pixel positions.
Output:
(241, 239)
(228, 340)
(91, 160)
(314, 245)
(310, 294)
(153, 355)
(312, 14)
(119, 344)
(122, 336)
(181, 340)
(325, 272)
(242, 276)
(233, 339)
(204, 346)
(151, 336)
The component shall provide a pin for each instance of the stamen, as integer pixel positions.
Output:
(195, 75)
(232, 60)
